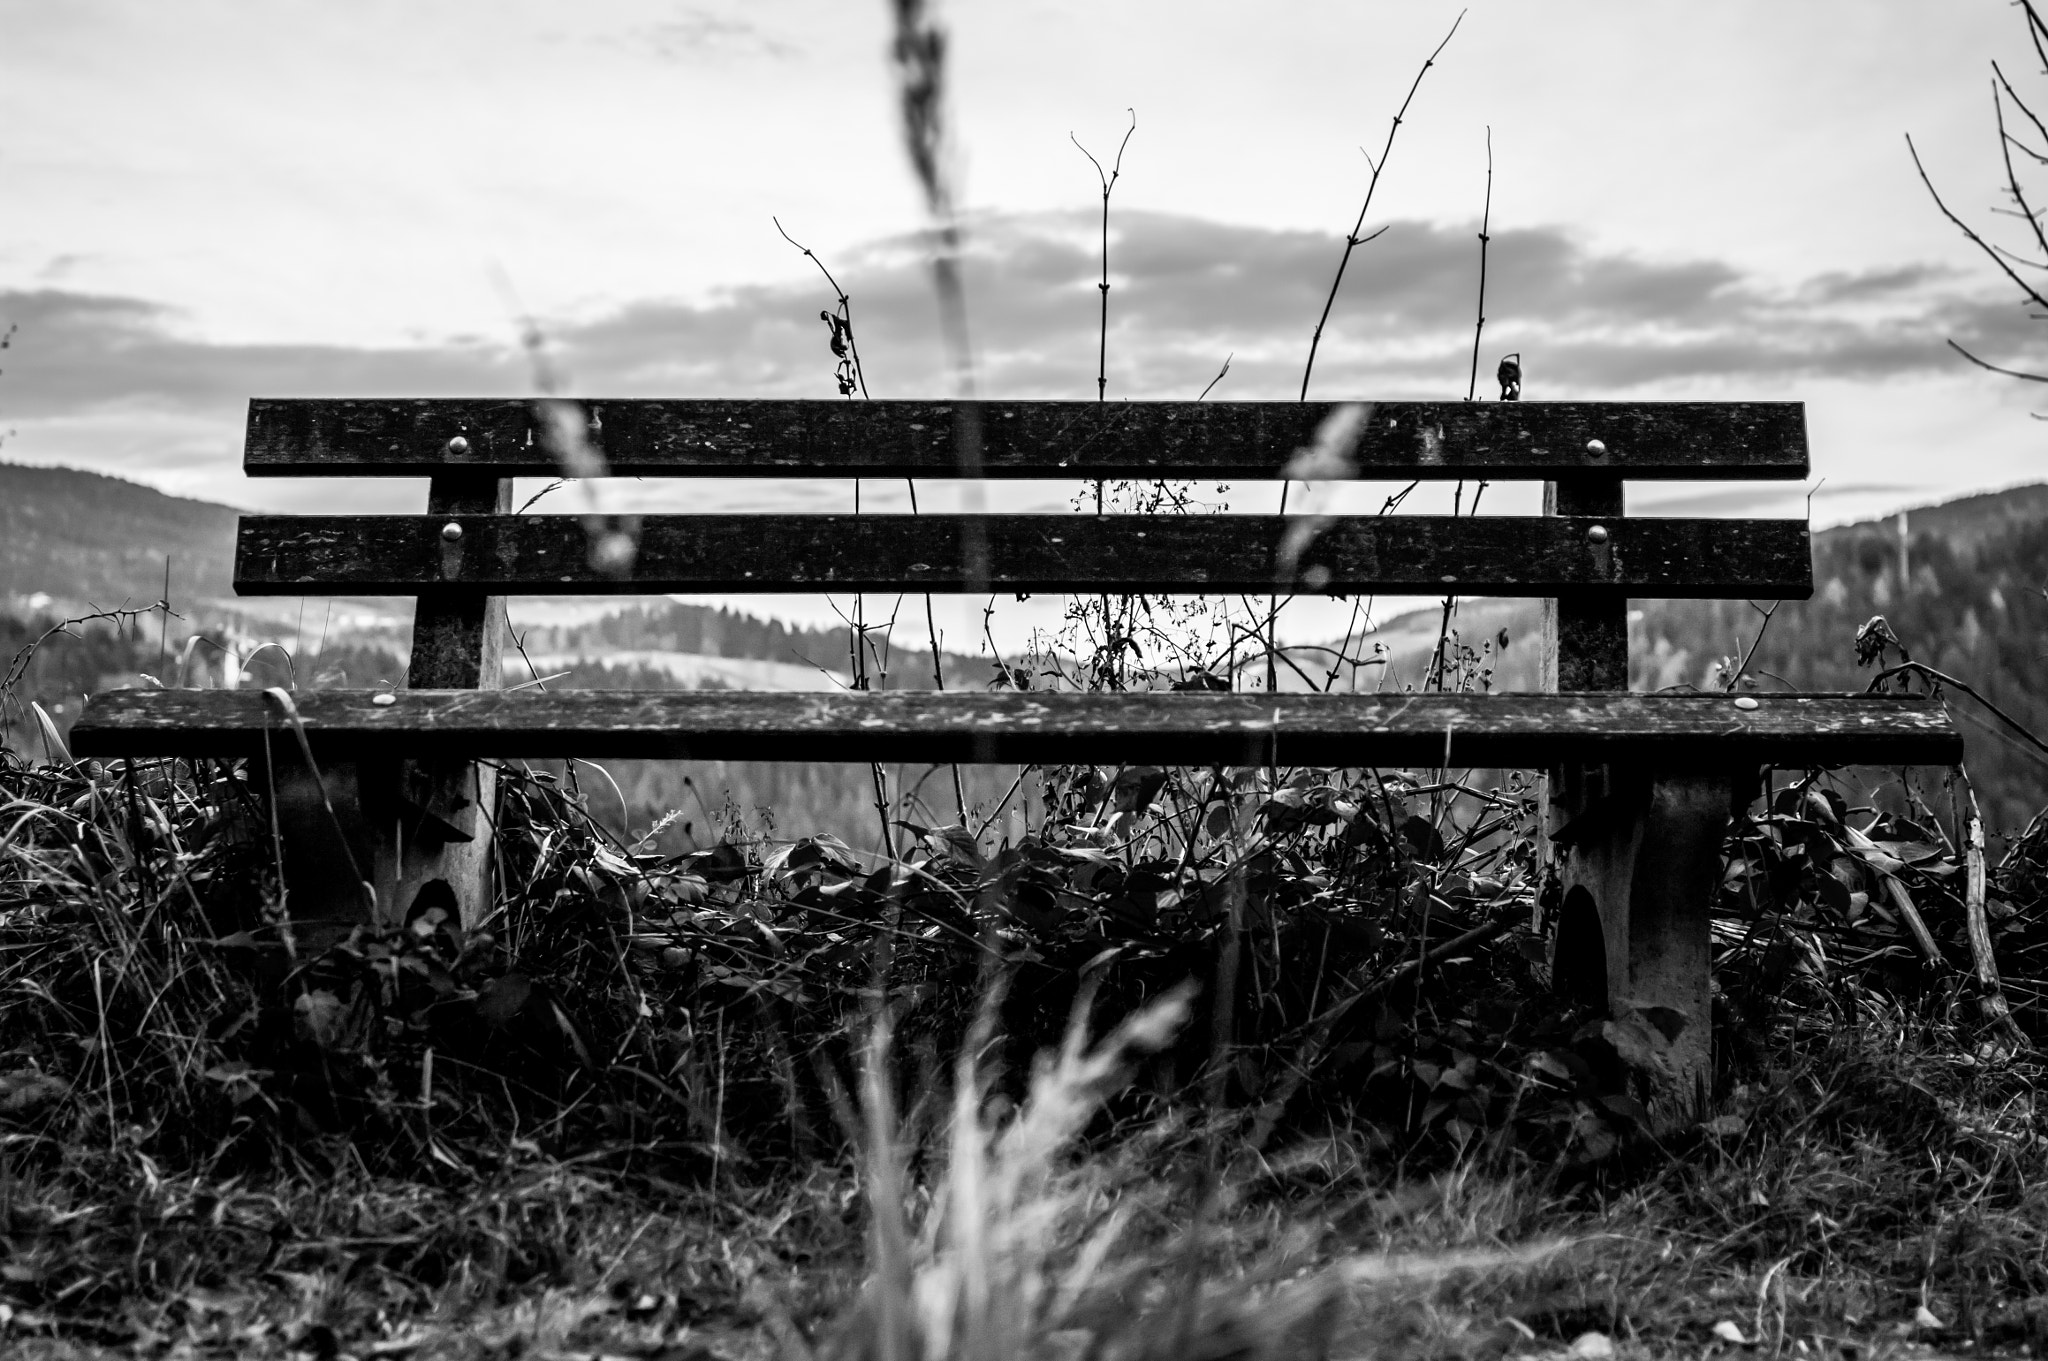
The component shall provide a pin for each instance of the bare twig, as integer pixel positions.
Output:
(1108, 183)
(1219, 375)
(850, 375)
(1942, 677)
(163, 636)
(17, 668)
(2033, 294)
(1485, 224)
(1744, 658)
(1352, 239)
(1997, 368)
(1438, 663)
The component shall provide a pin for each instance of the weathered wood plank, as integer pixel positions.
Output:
(1206, 440)
(1670, 731)
(1411, 554)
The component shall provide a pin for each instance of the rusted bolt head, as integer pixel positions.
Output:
(459, 445)
(1597, 534)
(451, 531)
(1596, 448)
(1745, 702)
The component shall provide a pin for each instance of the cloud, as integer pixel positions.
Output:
(1186, 292)
(82, 354)
(697, 33)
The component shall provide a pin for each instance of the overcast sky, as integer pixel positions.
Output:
(205, 201)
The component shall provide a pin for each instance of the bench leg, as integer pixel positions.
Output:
(325, 855)
(431, 842)
(1643, 863)
(433, 830)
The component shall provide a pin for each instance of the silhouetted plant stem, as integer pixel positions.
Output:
(1220, 373)
(851, 377)
(1352, 239)
(1108, 183)
(1485, 222)
(1443, 632)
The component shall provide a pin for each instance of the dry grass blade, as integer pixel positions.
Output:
(1029, 1248)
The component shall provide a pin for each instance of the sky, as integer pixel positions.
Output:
(203, 201)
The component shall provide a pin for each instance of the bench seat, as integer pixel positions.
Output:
(1534, 731)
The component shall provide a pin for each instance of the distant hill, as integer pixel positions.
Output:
(82, 538)
(77, 537)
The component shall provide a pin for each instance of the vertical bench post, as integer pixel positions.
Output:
(1585, 636)
(1642, 846)
(431, 819)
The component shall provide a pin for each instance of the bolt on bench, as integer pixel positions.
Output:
(1642, 785)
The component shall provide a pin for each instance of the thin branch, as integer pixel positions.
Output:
(2031, 118)
(1108, 184)
(1219, 374)
(1485, 223)
(845, 325)
(1352, 240)
(2012, 178)
(1439, 661)
(1742, 658)
(2033, 295)
(1926, 672)
(2018, 258)
(1995, 368)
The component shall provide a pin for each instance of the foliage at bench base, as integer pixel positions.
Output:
(485, 1116)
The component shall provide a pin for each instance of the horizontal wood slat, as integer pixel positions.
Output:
(1206, 440)
(1505, 730)
(1395, 554)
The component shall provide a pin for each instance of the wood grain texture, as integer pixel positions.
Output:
(1398, 554)
(1508, 730)
(1585, 636)
(1651, 868)
(458, 637)
(1231, 440)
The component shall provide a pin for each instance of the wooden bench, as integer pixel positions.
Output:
(1642, 785)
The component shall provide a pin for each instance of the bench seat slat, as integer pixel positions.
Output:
(1396, 554)
(1204, 440)
(1501, 730)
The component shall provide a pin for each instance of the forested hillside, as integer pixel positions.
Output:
(79, 536)
(1969, 602)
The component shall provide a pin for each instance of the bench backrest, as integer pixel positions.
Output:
(1584, 553)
